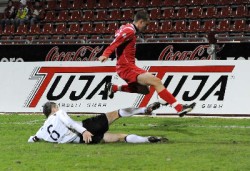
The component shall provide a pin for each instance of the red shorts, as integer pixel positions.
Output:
(129, 73)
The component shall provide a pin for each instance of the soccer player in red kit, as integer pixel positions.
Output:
(137, 79)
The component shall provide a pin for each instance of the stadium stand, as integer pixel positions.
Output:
(76, 21)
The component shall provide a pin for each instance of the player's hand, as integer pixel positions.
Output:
(103, 58)
(87, 136)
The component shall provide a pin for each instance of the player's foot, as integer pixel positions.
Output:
(150, 108)
(153, 139)
(108, 90)
(186, 109)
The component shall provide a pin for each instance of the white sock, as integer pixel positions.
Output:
(132, 138)
(119, 88)
(131, 111)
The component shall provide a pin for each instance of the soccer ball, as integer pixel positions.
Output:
(161, 101)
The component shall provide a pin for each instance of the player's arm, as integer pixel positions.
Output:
(37, 136)
(121, 37)
(70, 123)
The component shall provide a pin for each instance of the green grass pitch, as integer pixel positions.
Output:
(195, 144)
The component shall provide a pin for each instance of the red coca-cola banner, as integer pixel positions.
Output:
(144, 51)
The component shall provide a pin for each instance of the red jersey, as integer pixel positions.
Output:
(124, 45)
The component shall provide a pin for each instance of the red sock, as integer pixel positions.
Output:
(178, 107)
(127, 88)
(168, 97)
(114, 88)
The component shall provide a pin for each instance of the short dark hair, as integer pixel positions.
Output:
(141, 15)
(47, 108)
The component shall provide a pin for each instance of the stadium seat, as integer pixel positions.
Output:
(102, 4)
(76, 16)
(96, 36)
(77, 4)
(152, 27)
(224, 12)
(212, 2)
(115, 4)
(198, 2)
(99, 28)
(34, 29)
(47, 29)
(128, 4)
(115, 14)
(239, 25)
(61, 29)
(182, 13)
(224, 26)
(19, 40)
(82, 37)
(226, 2)
(194, 26)
(208, 26)
(240, 11)
(72, 39)
(209, 12)
(63, 16)
(31, 38)
(240, 2)
(168, 13)
(128, 14)
(49, 16)
(73, 28)
(156, 3)
(6, 40)
(88, 15)
(170, 3)
(180, 26)
(184, 2)
(196, 12)
(101, 15)
(86, 28)
(155, 14)
(64, 4)
(142, 3)
(111, 27)
(21, 30)
(8, 30)
(166, 27)
(108, 36)
(51, 5)
(89, 4)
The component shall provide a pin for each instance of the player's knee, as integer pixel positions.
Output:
(156, 81)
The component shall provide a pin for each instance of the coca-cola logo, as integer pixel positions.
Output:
(84, 53)
(199, 53)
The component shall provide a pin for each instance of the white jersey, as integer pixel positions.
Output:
(60, 128)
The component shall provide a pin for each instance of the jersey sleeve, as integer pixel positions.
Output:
(70, 123)
(120, 37)
(36, 137)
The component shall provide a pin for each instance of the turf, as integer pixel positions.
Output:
(194, 144)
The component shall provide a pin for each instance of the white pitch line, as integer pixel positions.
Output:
(23, 123)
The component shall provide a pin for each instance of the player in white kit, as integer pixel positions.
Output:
(60, 128)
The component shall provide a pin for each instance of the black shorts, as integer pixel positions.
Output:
(97, 125)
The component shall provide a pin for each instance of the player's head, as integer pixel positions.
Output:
(141, 20)
(10, 3)
(48, 108)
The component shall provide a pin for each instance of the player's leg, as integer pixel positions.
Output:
(149, 79)
(128, 74)
(131, 138)
(127, 112)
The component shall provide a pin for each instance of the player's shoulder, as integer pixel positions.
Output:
(129, 28)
